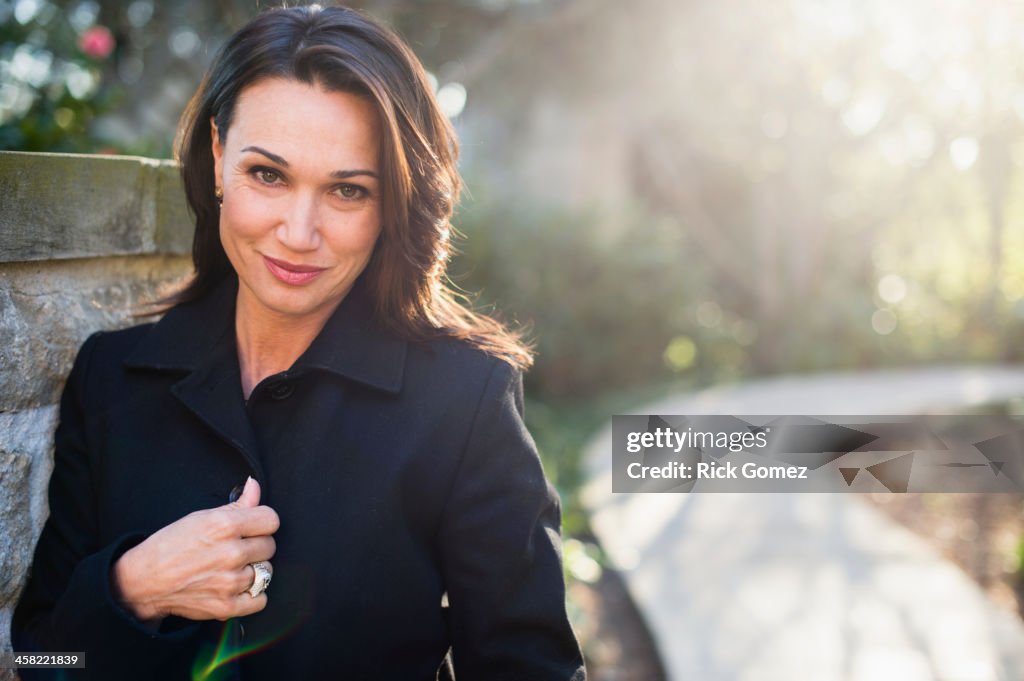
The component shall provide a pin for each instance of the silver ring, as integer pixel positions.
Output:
(261, 574)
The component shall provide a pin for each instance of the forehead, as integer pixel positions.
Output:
(288, 117)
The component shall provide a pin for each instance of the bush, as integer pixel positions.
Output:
(600, 297)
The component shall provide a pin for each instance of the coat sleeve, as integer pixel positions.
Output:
(501, 551)
(67, 604)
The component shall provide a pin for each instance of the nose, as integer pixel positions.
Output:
(299, 228)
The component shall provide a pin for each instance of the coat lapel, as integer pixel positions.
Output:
(213, 392)
(199, 338)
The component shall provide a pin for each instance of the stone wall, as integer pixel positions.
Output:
(85, 241)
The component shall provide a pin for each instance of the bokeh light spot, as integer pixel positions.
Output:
(963, 151)
(184, 42)
(64, 117)
(452, 99)
(681, 353)
(883, 322)
(892, 288)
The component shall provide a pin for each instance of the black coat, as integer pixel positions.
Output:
(399, 473)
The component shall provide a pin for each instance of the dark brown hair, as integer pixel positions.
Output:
(340, 49)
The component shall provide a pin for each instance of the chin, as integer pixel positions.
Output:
(295, 306)
(292, 302)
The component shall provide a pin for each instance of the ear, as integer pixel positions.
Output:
(218, 154)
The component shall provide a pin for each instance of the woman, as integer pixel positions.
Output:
(390, 487)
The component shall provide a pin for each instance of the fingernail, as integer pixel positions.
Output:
(237, 491)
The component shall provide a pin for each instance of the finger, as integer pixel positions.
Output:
(250, 494)
(258, 548)
(253, 522)
(244, 604)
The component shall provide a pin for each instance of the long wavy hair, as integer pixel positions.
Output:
(341, 49)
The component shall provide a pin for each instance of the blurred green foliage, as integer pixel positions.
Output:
(51, 77)
(601, 300)
(618, 302)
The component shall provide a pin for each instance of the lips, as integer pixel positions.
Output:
(291, 273)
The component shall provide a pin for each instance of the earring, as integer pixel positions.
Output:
(218, 193)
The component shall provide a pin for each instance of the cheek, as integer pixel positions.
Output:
(357, 237)
(369, 238)
(244, 220)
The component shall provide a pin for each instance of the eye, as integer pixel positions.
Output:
(351, 192)
(266, 175)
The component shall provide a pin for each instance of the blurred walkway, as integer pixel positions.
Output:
(794, 587)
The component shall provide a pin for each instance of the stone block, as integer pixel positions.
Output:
(7, 674)
(49, 308)
(59, 206)
(174, 222)
(26, 461)
(16, 540)
(30, 432)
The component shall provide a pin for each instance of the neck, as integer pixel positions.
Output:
(269, 342)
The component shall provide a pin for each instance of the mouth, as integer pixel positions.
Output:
(291, 273)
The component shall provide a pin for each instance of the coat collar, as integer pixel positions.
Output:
(352, 344)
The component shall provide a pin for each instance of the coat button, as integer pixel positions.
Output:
(282, 391)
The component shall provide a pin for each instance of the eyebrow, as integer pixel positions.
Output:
(338, 174)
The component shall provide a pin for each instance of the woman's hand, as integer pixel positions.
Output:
(199, 567)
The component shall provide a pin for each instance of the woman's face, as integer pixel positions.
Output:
(301, 209)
